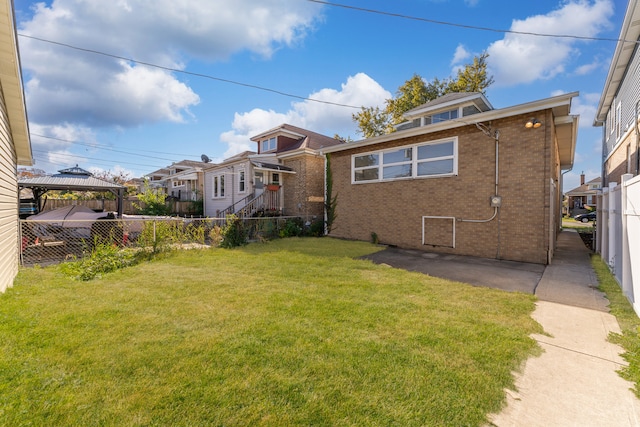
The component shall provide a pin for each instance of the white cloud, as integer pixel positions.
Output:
(520, 58)
(586, 106)
(359, 90)
(67, 85)
(460, 55)
(585, 69)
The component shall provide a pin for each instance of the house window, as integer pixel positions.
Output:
(242, 183)
(444, 116)
(415, 161)
(275, 178)
(218, 186)
(618, 119)
(268, 144)
(178, 183)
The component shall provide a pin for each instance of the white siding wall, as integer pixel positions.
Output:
(231, 187)
(9, 257)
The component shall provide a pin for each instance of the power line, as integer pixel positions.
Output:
(109, 148)
(78, 156)
(176, 70)
(102, 147)
(470, 27)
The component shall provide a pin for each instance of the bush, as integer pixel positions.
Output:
(292, 228)
(316, 229)
(104, 258)
(234, 233)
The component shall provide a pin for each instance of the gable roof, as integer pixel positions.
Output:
(306, 138)
(629, 34)
(11, 83)
(566, 126)
(584, 188)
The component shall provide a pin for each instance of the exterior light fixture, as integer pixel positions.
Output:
(533, 123)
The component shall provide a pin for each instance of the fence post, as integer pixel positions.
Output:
(625, 258)
(613, 218)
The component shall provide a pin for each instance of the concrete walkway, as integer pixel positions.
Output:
(574, 382)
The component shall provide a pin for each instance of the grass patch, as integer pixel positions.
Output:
(628, 320)
(291, 332)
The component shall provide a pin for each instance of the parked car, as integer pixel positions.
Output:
(28, 207)
(585, 217)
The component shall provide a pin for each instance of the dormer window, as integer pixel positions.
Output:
(441, 117)
(268, 145)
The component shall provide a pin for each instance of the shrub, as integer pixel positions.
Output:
(216, 236)
(104, 258)
(292, 228)
(316, 229)
(234, 233)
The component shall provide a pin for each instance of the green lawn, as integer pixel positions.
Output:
(629, 338)
(291, 332)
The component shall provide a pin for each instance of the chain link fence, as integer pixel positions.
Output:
(52, 242)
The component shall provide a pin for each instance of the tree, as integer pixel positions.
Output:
(373, 121)
(154, 201)
(473, 77)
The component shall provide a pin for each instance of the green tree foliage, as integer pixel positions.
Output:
(154, 201)
(374, 121)
(473, 77)
(331, 201)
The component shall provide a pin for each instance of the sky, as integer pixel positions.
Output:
(130, 86)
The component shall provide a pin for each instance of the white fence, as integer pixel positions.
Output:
(618, 234)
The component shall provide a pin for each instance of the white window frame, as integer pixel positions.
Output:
(178, 183)
(414, 162)
(269, 144)
(242, 181)
(218, 186)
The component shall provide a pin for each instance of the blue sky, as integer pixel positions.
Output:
(109, 114)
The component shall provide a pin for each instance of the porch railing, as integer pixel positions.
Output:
(234, 207)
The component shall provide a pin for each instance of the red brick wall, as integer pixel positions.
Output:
(393, 210)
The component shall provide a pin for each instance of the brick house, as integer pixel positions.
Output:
(460, 177)
(586, 195)
(15, 145)
(284, 176)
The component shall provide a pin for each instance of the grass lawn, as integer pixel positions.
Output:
(290, 332)
(627, 318)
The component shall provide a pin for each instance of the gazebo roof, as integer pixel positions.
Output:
(71, 179)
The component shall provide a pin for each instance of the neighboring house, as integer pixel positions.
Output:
(15, 145)
(284, 177)
(460, 177)
(183, 180)
(618, 225)
(584, 195)
(619, 103)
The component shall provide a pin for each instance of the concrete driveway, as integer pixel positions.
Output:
(505, 275)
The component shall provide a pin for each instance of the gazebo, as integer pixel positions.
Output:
(71, 179)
